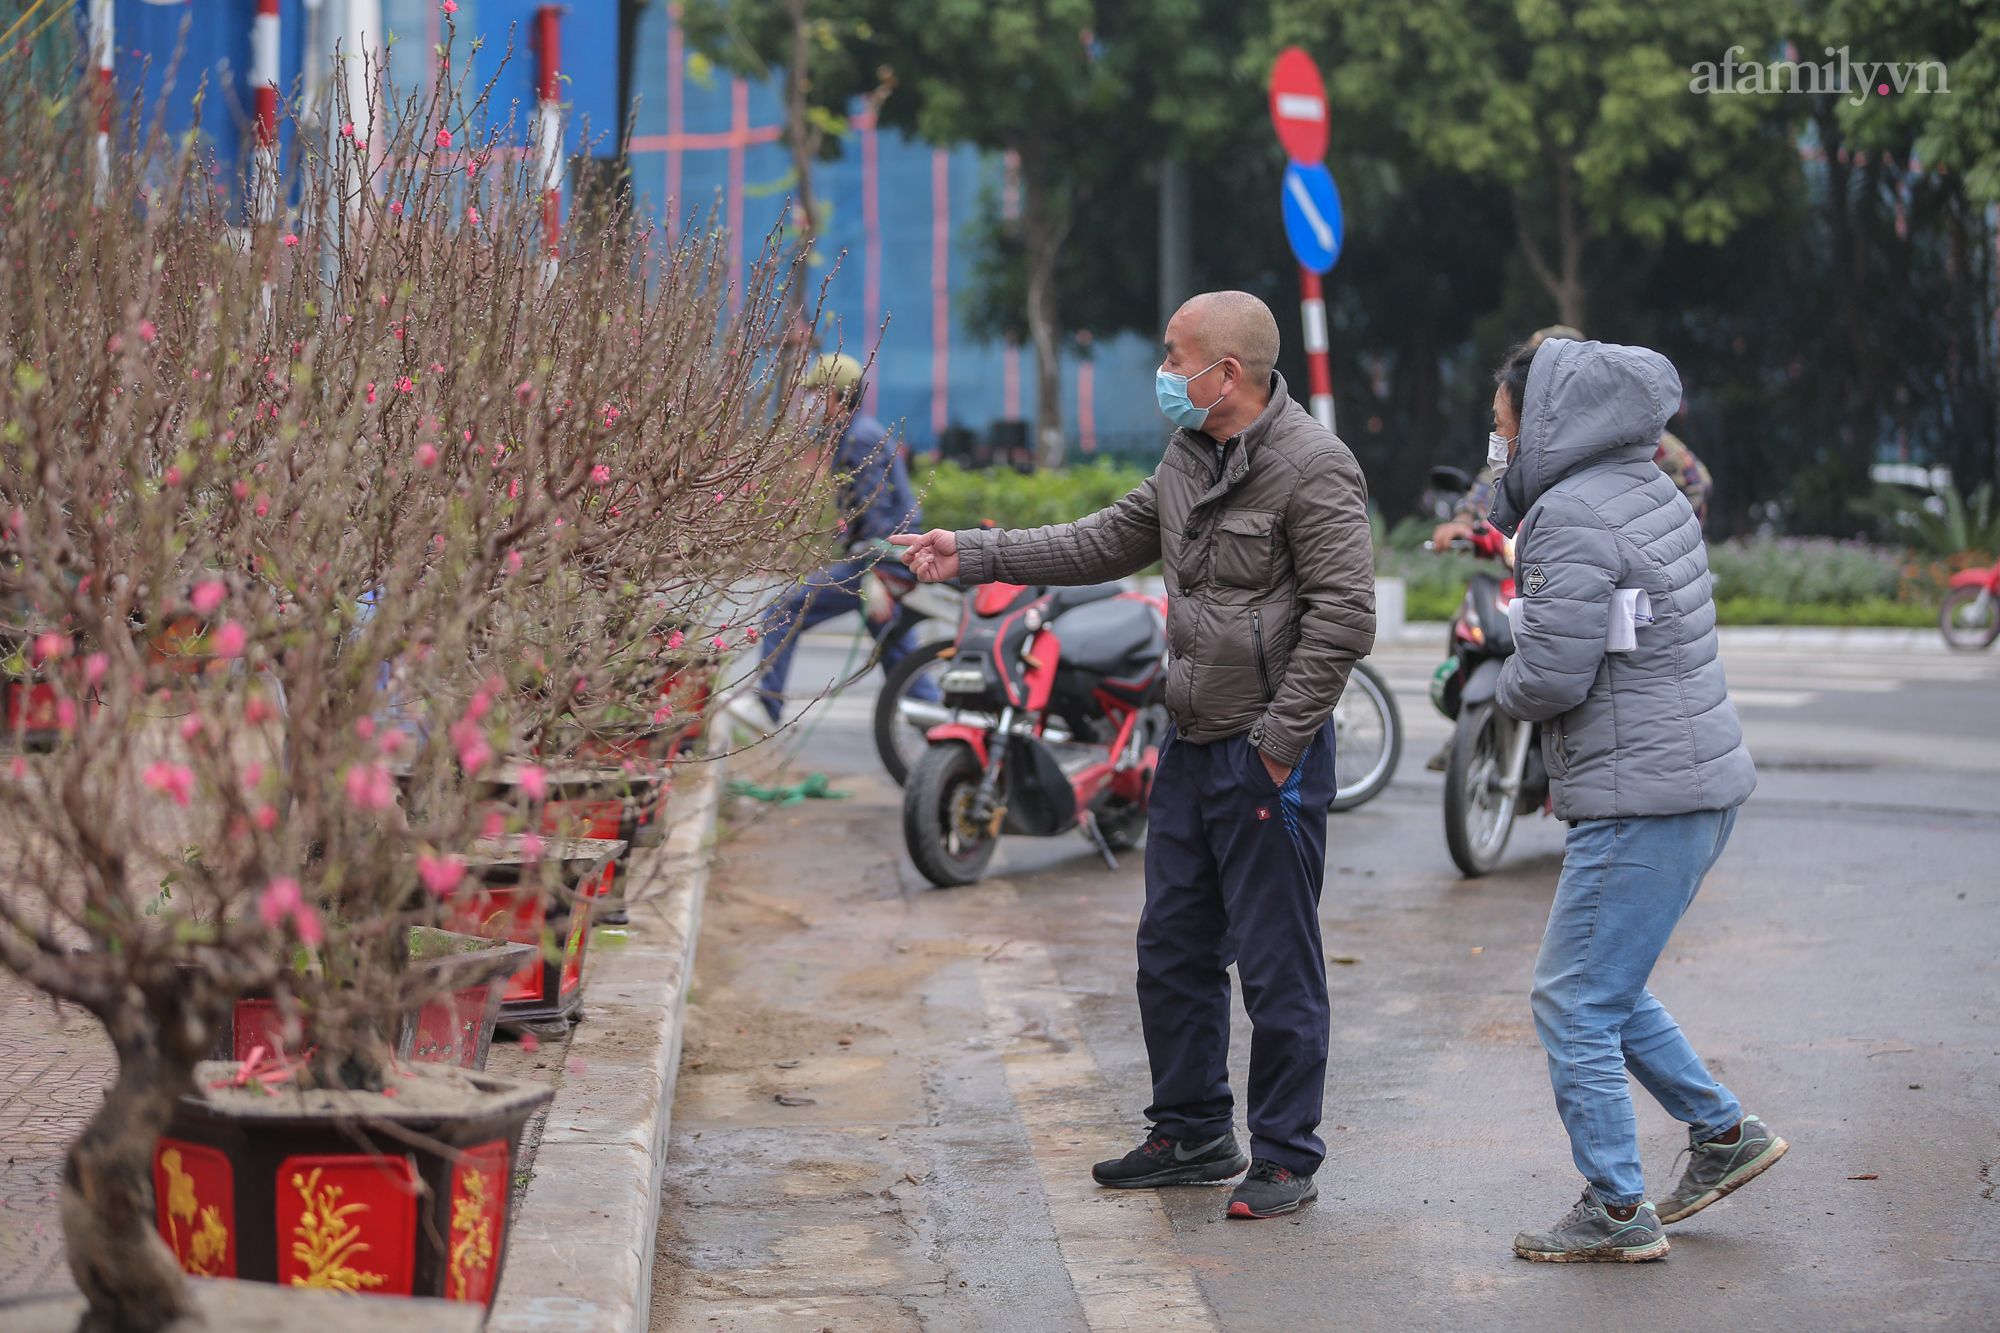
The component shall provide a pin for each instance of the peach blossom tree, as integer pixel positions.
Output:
(308, 524)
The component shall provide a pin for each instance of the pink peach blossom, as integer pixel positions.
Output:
(147, 330)
(94, 667)
(229, 640)
(444, 139)
(601, 475)
(473, 751)
(440, 874)
(396, 209)
(175, 781)
(291, 241)
(675, 640)
(266, 818)
(51, 647)
(364, 728)
(531, 846)
(494, 824)
(369, 787)
(281, 898)
(208, 597)
(190, 726)
(534, 780)
(427, 456)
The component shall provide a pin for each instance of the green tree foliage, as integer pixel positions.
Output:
(1577, 112)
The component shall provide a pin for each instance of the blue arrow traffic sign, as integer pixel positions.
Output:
(1313, 221)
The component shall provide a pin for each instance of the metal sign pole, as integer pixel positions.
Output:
(1319, 368)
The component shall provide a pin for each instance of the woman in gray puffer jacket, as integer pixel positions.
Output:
(1647, 763)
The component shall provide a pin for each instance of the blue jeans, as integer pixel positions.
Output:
(824, 594)
(1625, 885)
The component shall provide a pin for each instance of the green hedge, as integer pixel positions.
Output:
(956, 497)
(1759, 580)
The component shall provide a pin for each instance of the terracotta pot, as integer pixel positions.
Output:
(407, 1195)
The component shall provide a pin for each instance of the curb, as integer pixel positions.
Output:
(580, 1256)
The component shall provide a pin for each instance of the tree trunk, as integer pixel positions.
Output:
(1562, 280)
(803, 141)
(1043, 226)
(124, 1270)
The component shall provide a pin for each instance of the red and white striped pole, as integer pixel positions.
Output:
(1319, 370)
(103, 42)
(548, 130)
(264, 85)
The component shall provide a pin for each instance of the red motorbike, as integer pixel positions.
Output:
(1090, 660)
(1970, 617)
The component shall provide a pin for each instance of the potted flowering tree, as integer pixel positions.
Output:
(308, 527)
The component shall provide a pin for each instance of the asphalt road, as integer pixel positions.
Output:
(891, 1095)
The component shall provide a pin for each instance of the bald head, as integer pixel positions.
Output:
(1218, 324)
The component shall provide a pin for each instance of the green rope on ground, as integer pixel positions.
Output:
(814, 786)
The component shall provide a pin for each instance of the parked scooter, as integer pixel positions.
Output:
(1495, 771)
(1970, 617)
(1029, 665)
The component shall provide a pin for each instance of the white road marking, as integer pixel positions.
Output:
(1771, 698)
(1118, 1245)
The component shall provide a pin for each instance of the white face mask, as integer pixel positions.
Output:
(1498, 447)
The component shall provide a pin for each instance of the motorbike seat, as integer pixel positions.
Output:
(1122, 639)
(1068, 599)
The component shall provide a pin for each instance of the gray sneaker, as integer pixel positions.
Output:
(1716, 1169)
(1590, 1235)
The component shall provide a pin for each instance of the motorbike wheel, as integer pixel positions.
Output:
(1368, 731)
(1123, 823)
(947, 846)
(898, 739)
(1970, 618)
(1478, 813)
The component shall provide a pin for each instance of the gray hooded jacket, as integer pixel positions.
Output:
(1652, 731)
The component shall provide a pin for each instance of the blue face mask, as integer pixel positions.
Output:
(1172, 392)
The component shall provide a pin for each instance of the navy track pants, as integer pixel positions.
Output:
(1234, 867)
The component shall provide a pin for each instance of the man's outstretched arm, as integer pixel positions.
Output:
(1114, 542)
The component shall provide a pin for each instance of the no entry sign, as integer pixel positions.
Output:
(1298, 106)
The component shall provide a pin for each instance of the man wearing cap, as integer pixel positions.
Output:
(875, 500)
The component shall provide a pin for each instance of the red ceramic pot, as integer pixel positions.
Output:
(395, 1196)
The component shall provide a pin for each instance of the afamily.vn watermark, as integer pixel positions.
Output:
(1838, 73)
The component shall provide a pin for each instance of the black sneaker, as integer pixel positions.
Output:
(1271, 1190)
(1165, 1160)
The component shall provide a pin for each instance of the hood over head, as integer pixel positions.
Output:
(1586, 403)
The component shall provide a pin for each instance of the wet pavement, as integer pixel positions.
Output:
(891, 1095)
